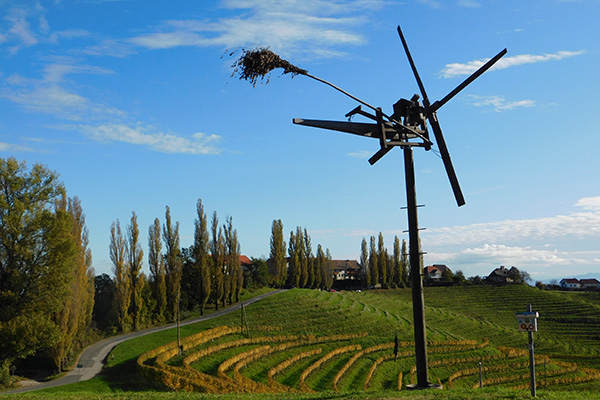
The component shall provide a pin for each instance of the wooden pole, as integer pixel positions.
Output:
(415, 271)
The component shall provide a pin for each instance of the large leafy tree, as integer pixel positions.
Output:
(37, 253)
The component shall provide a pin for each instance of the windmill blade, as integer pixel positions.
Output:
(414, 68)
(439, 138)
(435, 106)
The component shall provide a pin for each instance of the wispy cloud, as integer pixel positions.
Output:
(27, 26)
(361, 154)
(287, 26)
(499, 103)
(458, 69)
(149, 137)
(13, 148)
(50, 95)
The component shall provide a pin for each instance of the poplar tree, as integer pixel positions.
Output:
(295, 271)
(156, 263)
(234, 268)
(122, 280)
(217, 252)
(373, 262)
(173, 263)
(201, 249)
(321, 268)
(364, 263)
(405, 264)
(302, 257)
(327, 271)
(382, 259)
(75, 317)
(397, 264)
(36, 259)
(278, 263)
(135, 256)
(310, 269)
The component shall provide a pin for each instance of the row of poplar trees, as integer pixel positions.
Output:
(381, 268)
(301, 268)
(46, 278)
(207, 272)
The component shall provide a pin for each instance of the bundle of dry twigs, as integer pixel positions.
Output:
(255, 65)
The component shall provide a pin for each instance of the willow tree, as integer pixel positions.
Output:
(201, 252)
(122, 299)
(135, 255)
(277, 259)
(173, 263)
(156, 262)
(36, 259)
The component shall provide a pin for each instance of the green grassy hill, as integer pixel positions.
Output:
(465, 325)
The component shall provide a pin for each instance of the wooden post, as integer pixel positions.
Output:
(415, 271)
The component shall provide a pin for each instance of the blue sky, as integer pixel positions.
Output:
(133, 103)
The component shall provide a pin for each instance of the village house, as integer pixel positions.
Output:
(580, 284)
(500, 275)
(434, 272)
(345, 270)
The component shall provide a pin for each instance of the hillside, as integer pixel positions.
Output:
(325, 333)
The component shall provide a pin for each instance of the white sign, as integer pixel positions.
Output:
(527, 321)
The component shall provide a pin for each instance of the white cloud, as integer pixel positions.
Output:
(10, 147)
(198, 143)
(499, 103)
(361, 154)
(589, 203)
(457, 69)
(286, 26)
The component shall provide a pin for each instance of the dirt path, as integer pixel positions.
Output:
(91, 360)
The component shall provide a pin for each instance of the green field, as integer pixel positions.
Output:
(465, 325)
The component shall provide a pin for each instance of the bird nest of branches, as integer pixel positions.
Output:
(255, 65)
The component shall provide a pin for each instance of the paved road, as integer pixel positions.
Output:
(92, 358)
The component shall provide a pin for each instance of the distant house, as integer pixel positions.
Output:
(589, 283)
(434, 272)
(500, 275)
(245, 261)
(580, 284)
(570, 283)
(345, 270)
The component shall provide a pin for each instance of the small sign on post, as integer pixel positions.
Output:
(528, 323)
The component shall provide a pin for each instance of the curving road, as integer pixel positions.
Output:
(91, 360)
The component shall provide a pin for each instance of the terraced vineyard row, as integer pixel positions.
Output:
(292, 363)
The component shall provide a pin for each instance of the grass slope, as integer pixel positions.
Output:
(569, 327)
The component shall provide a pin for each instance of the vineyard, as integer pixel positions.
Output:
(305, 341)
